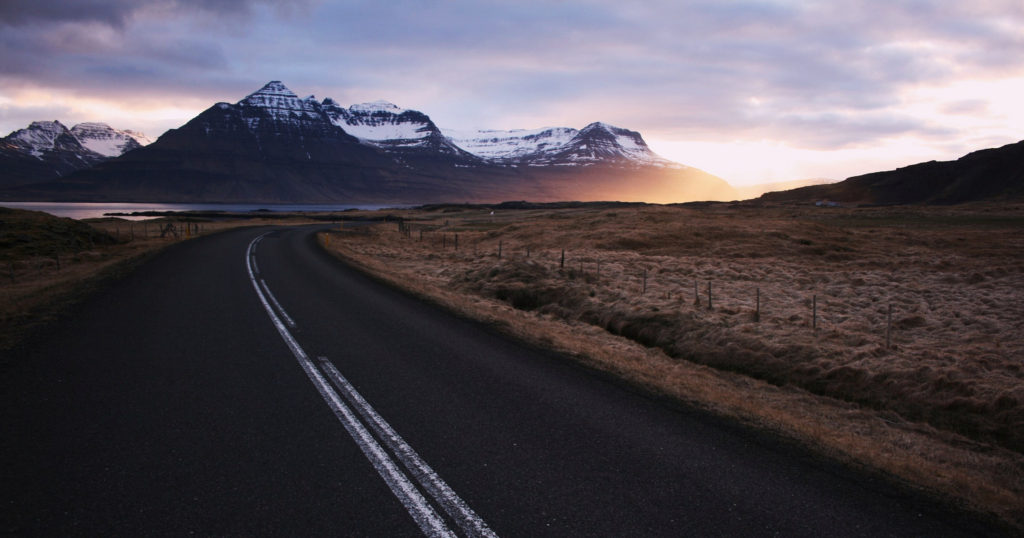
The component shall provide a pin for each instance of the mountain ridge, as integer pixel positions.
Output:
(275, 146)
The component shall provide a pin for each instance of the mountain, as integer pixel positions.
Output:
(273, 146)
(746, 192)
(598, 162)
(107, 141)
(989, 174)
(597, 143)
(47, 149)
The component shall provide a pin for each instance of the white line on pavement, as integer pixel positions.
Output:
(464, 516)
(429, 521)
(273, 300)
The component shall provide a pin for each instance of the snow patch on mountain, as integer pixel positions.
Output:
(379, 106)
(380, 121)
(514, 144)
(106, 140)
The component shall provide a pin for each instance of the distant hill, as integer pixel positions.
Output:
(989, 174)
(273, 146)
(746, 192)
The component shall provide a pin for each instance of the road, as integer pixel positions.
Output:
(246, 383)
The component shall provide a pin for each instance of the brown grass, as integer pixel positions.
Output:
(942, 409)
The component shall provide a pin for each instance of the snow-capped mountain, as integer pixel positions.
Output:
(43, 138)
(273, 146)
(600, 142)
(272, 126)
(597, 143)
(108, 141)
(43, 151)
(394, 129)
(47, 149)
(276, 110)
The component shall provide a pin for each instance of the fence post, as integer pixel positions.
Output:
(888, 328)
(814, 312)
(757, 311)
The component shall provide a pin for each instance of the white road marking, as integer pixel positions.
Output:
(418, 507)
(273, 300)
(464, 516)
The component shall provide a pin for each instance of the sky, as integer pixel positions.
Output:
(751, 91)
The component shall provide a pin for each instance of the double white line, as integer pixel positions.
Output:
(429, 521)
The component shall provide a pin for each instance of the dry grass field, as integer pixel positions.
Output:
(798, 336)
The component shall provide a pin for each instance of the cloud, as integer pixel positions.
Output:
(118, 13)
(815, 74)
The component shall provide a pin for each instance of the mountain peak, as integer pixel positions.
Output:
(272, 95)
(275, 102)
(54, 126)
(274, 87)
(41, 136)
(598, 125)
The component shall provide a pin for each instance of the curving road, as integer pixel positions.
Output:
(248, 384)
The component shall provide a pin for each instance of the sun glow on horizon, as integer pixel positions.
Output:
(954, 119)
(751, 162)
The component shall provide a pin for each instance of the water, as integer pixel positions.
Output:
(97, 210)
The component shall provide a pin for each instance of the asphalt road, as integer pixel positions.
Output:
(182, 401)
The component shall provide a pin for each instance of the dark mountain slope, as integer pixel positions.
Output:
(990, 174)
